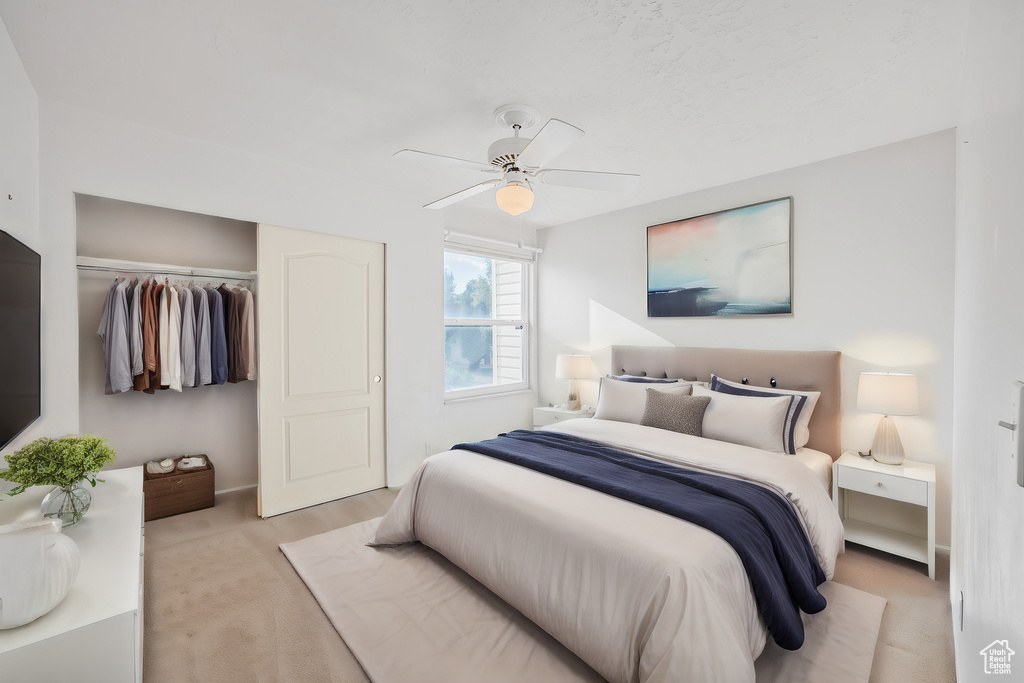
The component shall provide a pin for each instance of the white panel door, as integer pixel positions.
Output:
(321, 367)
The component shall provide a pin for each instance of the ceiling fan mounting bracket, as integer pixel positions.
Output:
(512, 115)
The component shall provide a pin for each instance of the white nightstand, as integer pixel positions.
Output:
(911, 482)
(550, 415)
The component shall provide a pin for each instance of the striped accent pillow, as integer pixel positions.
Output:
(796, 406)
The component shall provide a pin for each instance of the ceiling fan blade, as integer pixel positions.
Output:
(462, 194)
(591, 180)
(553, 139)
(451, 161)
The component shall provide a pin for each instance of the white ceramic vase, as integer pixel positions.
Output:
(38, 566)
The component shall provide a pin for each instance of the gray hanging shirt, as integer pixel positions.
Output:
(202, 313)
(135, 327)
(113, 331)
(188, 337)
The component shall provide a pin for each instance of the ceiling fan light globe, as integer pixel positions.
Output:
(514, 199)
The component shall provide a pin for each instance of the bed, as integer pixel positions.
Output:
(637, 594)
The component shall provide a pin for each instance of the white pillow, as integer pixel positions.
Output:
(625, 401)
(802, 432)
(746, 420)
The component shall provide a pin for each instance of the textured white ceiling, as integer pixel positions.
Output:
(690, 94)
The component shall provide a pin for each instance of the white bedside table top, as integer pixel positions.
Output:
(566, 411)
(909, 469)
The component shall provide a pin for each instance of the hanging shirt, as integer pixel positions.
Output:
(202, 313)
(173, 340)
(188, 338)
(232, 336)
(135, 330)
(155, 290)
(103, 330)
(249, 334)
(113, 332)
(218, 340)
(241, 348)
(142, 379)
(163, 330)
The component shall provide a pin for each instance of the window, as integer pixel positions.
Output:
(486, 331)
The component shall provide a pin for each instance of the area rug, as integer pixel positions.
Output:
(410, 615)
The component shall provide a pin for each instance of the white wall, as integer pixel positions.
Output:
(873, 260)
(19, 148)
(19, 173)
(82, 151)
(988, 506)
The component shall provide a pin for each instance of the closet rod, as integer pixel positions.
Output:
(123, 266)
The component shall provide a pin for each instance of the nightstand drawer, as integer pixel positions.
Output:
(886, 485)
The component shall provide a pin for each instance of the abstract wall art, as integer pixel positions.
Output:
(732, 262)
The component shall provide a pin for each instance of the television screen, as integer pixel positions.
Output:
(19, 337)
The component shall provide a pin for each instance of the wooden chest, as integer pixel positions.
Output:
(177, 492)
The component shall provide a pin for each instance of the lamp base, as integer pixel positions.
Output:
(573, 401)
(887, 447)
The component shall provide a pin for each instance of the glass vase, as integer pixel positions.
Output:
(67, 503)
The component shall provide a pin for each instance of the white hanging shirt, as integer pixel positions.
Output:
(165, 373)
(249, 332)
(173, 341)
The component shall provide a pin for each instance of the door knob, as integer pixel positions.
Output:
(376, 379)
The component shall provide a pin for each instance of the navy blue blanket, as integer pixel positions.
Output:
(759, 524)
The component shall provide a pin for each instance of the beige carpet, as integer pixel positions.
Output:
(916, 639)
(223, 604)
(212, 616)
(411, 616)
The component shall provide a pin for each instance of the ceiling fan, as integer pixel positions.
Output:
(522, 161)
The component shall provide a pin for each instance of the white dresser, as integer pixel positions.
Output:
(95, 633)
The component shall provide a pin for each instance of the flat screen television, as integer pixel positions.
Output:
(19, 337)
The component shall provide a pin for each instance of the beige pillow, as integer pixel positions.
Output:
(746, 420)
(625, 401)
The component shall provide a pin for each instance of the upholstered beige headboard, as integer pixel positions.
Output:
(799, 370)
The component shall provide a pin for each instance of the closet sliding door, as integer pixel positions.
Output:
(321, 367)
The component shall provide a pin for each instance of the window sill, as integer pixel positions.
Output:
(492, 394)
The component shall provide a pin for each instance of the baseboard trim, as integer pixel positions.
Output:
(252, 486)
(942, 549)
(237, 488)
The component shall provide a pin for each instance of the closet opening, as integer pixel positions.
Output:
(219, 420)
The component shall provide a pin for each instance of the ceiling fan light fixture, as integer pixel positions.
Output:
(514, 198)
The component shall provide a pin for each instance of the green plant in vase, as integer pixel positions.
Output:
(65, 463)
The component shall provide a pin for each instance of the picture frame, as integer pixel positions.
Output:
(734, 262)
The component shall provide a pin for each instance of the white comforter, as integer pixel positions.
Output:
(637, 594)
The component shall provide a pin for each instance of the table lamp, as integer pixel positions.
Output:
(888, 393)
(572, 368)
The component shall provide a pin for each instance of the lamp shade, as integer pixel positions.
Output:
(514, 198)
(888, 393)
(572, 367)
